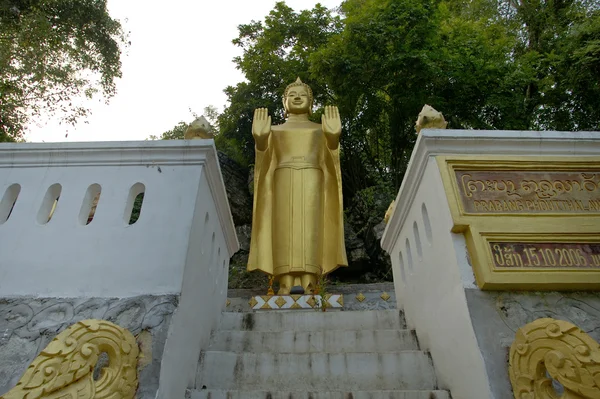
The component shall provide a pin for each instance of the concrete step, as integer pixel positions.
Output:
(216, 394)
(404, 370)
(332, 341)
(313, 321)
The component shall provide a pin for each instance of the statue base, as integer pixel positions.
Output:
(291, 302)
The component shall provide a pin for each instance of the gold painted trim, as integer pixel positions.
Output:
(528, 278)
(448, 164)
(561, 227)
(252, 302)
(280, 302)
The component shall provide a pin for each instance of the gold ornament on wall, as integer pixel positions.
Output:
(549, 349)
(64, 369)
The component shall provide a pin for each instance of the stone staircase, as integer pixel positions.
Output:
(316, 355)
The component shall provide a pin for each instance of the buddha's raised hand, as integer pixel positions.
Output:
(331, 125)
(261, 127)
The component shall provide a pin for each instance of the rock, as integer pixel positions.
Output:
(251, 180)
(351, 238)
(357, 255)
(240, 201)
(243, 235)
(378, 230)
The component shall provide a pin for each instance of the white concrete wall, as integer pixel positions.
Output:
(181, 243)
(202, 300)
(430, 282)
(108, 257)
(427, 260)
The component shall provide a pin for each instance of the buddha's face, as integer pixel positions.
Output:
(297, 100)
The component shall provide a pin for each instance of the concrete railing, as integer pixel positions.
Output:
(462, 326)
(53, 245)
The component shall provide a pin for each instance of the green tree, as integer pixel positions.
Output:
(274, 54)
(176, 133)
(486, 64)
(559, 54)
(51, 52)
(393, 57)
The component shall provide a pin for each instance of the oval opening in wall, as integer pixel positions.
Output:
(417, 240)
(135, 201)
(89, 204)
(409, 258)
(402, 272)
(427, 224)
(9, 199)
(49, 204)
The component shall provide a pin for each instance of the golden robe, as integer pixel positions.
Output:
(297, 220)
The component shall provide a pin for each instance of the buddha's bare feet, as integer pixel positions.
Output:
(309, 282)
(285, 284)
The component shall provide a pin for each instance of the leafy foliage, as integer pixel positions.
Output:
(486, 64)
(52, 51)
(176, 133)
(274, 54)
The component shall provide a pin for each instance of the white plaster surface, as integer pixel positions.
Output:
(431, 288)
(202, 300)
(108, 257)
(432, 294)
(403, 370)
(337, 354)
(337, 341)
(181, 244)
(276, 321)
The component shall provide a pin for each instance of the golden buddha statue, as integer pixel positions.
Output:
(297, 221)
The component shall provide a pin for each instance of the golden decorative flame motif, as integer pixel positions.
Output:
(549, 349)
(64, 369)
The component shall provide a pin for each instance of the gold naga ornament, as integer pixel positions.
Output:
(297, 222)
(549, 349)
(64, 369)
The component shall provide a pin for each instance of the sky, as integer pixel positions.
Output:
(180, 58)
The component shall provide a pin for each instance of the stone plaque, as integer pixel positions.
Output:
(510, 255)
(529, 191)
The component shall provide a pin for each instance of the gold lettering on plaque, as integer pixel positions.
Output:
(529, 191)
(545, 255)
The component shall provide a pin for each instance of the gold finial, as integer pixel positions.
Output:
(198, 129)
(429, 118)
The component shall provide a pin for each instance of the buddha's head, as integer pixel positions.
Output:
(298, 98)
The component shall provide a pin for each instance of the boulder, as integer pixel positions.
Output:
(235, 177)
